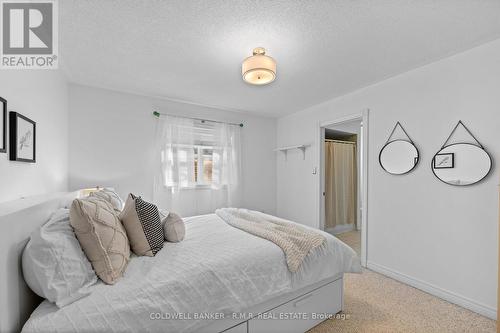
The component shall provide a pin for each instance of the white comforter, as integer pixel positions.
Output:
(216, 269)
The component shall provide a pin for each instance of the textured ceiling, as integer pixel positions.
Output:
(192, 50)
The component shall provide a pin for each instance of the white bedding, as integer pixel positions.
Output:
(216, 269)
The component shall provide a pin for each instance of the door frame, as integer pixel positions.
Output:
(362, 116)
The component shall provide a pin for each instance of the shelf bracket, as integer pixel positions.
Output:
(285, 152)
(303, 149)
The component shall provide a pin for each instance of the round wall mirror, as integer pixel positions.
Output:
(398, 157)
(461, 164)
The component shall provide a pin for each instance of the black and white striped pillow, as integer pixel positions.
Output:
(142, 222)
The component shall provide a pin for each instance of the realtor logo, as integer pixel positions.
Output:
(29, 34)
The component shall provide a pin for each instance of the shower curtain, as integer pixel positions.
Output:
(340, 184)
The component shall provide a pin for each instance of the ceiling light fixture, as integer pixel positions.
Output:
(259, 69)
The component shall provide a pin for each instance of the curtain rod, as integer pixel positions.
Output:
(157, 114)
(340, 141)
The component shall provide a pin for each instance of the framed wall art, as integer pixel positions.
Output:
(22, 135)
(444, 161)
(3, 125)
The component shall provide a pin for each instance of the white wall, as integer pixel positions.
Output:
(441, 238)
(41, 95)
(112, 141)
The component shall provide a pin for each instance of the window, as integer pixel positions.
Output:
(203, 157)
(196, 154)
(191, 164)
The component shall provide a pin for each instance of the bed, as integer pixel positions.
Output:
(218, 279)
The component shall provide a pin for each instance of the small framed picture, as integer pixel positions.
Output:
(444, 161)
(3, 125)
(22, 135)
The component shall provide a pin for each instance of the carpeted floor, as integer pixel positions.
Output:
(351, 238)
(376, 304)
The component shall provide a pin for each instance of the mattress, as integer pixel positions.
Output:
(217, 270)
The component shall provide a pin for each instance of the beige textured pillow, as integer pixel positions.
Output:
(101, 236)
(174, 228)
(141, 220)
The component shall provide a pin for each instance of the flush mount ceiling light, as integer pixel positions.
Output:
(258, 69)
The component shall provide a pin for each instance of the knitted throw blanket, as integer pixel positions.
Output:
(294, 240)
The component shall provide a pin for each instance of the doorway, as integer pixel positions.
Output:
(343, 180)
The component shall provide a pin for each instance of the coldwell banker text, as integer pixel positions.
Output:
(29, 34)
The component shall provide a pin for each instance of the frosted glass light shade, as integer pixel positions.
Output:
(259, 69)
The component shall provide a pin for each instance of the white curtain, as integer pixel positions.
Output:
(198, 165)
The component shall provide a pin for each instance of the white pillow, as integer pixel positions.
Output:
(109, 194)
(174, 229)
(54, 265)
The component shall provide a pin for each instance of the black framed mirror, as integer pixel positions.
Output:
(400, 156)
(461, 163)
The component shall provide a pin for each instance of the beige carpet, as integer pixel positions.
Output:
(351, 238)
(376, 304)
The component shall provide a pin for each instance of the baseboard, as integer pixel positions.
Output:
(449, 296)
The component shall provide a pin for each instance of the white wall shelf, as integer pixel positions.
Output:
(285, 150)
